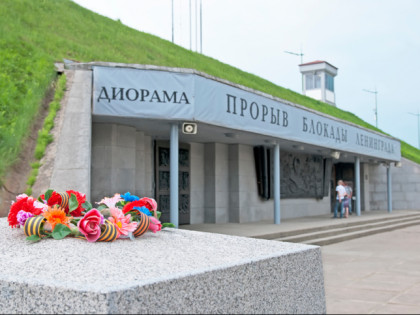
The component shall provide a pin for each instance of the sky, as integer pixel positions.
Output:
(375, 45)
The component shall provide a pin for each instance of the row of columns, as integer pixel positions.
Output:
(174, 152)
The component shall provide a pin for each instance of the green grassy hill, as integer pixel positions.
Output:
(35, 34)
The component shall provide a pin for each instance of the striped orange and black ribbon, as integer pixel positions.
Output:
(142, 225)
(64, 200)
(109, 234)
(33, 226)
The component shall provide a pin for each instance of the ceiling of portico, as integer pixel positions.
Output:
(160, 130)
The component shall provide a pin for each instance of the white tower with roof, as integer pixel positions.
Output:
(318, 80)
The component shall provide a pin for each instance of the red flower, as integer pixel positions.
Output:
(81, 199)
(149, 203)
(130, 206)
(27, 204)
(55, 199)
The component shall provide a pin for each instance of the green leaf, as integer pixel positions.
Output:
(158, 214)
(75, 221)
(87, 205)
(120, 204)
(73, 203)
(60, 231)
(101, 207)
(33, 238)
(48, 194)
(167, 224)
(75, 232)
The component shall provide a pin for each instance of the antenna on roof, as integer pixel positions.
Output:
(301, 60)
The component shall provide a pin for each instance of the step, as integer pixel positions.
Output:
(344, 229)
(358, 234)
(343, 223)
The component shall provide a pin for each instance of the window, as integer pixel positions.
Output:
(313, 81)
(329, 82)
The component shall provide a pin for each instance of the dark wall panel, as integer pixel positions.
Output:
(302, 175)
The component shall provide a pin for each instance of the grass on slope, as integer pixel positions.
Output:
(35, 34)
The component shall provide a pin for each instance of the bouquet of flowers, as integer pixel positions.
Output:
(60, 214)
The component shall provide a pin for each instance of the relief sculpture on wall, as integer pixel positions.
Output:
(301, 175)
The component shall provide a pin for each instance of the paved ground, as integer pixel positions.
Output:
(378, 274)
(267, 228)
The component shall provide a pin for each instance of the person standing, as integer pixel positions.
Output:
(349, 192)
(340, 192)
(346, 201)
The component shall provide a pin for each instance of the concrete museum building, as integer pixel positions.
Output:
(212, 151)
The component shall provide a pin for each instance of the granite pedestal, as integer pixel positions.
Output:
(172, 271)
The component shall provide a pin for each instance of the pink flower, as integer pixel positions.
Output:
(90, 225)
(22, 216)
(155, 225)
(151, 203)
(122, 222)
(111, 202)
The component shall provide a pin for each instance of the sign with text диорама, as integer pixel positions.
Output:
(170, 95)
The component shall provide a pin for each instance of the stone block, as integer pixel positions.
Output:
(197, 198)
(209, 214)
(123, 180)
(101, 179)
(400, 204)
(101, 134)
(125, 136)
(222, 199)
(123, 157)
(197, 215)
(222, 215)
(101, 157)
(173, 271)
(139, 140)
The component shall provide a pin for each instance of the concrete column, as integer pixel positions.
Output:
(174, 152)
(217, 188)
(389, 190)
(365, 182)
(277, 184)
(357, 175)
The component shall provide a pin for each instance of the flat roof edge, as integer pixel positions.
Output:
(90, 65)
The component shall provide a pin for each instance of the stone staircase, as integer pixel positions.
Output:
(343, 231)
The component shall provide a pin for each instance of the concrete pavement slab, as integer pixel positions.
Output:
(381, 274)
(396, 309)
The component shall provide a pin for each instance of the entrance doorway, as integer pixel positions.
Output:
(345, 172)
(162, 174)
